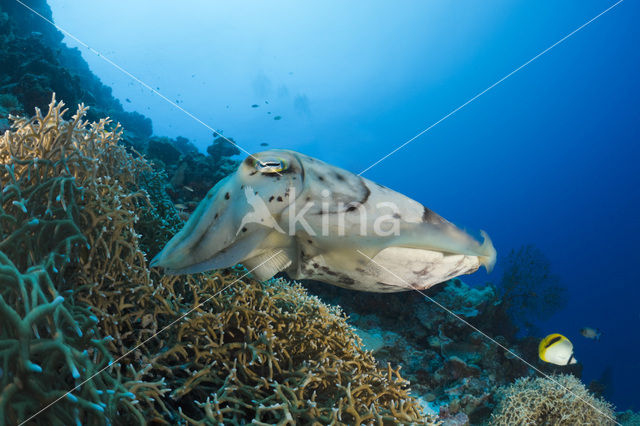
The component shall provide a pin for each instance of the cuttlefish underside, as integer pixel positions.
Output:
(285, 211)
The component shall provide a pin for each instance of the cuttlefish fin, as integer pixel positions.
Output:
(489, 259)
(267, 264)
(226, 257)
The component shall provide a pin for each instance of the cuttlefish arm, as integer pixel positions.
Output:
(209, 239)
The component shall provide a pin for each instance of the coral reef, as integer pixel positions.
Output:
(190, 173)
(449, 364)
(9, 104)
(78, 215)
(81, 211)
(47, 345)
(629, 418)
(557, 400)
(51, 174)
(35, 62)
(269, 353)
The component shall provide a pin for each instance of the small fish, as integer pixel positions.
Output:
(180, 206)
(128, 100)
(188, 188)
(591, 333)
(266, 102)
(556, 349)
(264, 144)
(255, 106)
(277, 117)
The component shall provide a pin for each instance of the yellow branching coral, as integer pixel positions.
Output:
(559, 400)
(64, 218)
(269, 353)
(78, 214)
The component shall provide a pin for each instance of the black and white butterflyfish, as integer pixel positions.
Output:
(556, 349)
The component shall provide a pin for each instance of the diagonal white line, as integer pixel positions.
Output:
(136, 79)
(492, 86)
(151, 337)
(487, 336)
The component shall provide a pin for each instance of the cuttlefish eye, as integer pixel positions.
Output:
(273, 165)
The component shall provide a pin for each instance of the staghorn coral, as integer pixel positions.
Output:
(62, 208)
(558, 400)
(269, 353)
(72, 209)
(46, 347)
(449, 364)
(61, 214)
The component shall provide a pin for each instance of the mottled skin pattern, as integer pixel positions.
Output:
(285, 211)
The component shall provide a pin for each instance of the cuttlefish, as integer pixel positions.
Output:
(285, 211)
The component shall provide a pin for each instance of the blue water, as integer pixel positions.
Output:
(548, 157)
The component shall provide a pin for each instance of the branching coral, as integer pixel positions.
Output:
(46, 348)
(62, 216)
(449, 363)
(73, 206)
(69, 199)
(559, 400)
(269, 353)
